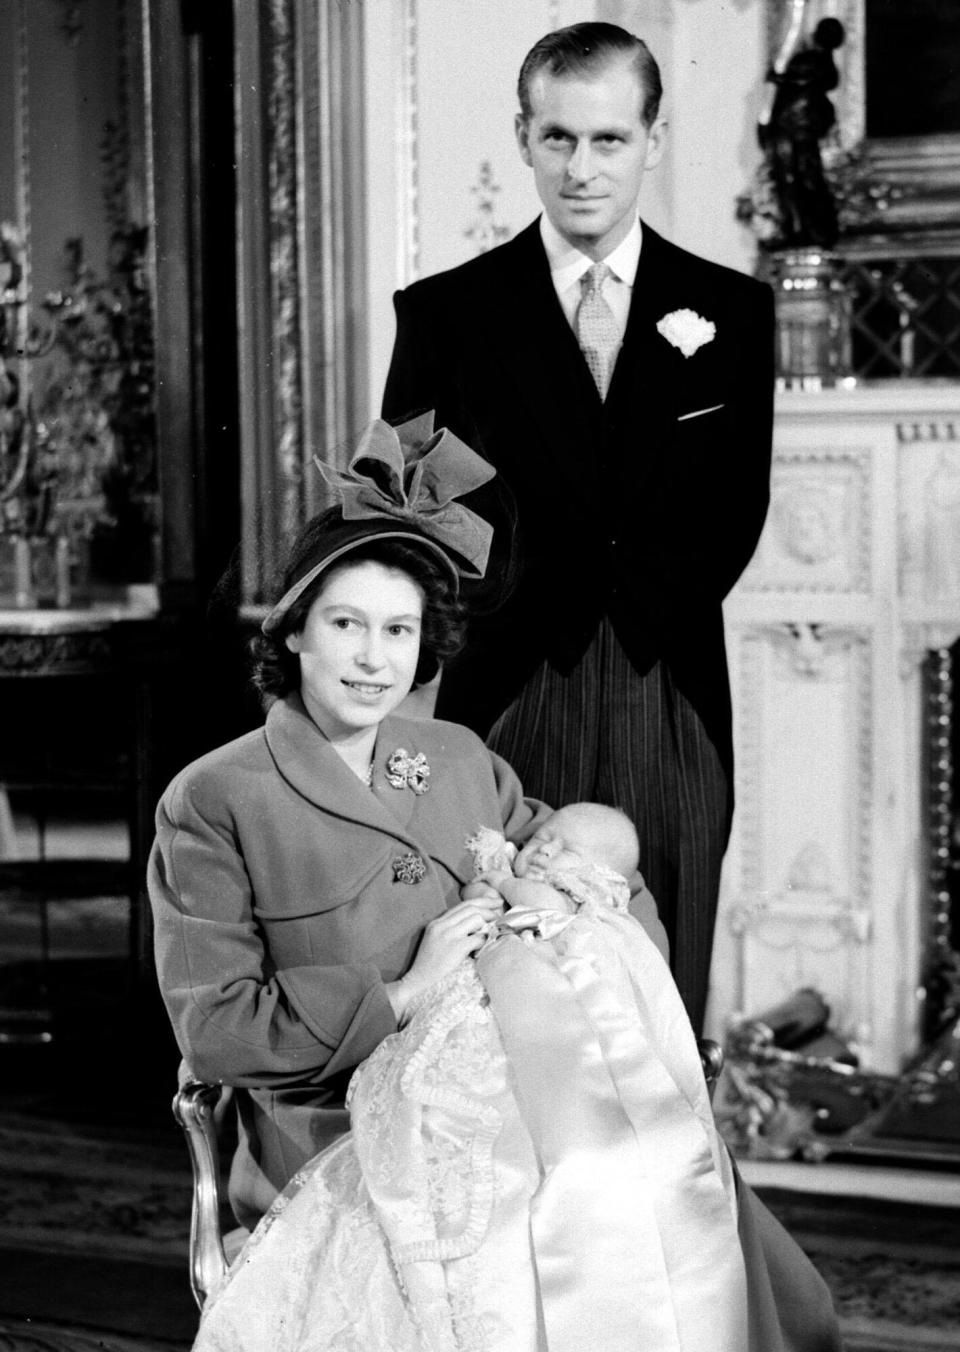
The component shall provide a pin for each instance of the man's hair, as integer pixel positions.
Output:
(585, 49)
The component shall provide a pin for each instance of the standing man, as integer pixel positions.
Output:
(623, 388)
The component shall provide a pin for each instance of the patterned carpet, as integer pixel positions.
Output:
(893, 1268)
(94, 1219)
(93, 1191)
(39, 1336)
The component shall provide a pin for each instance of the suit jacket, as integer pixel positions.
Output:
(645, 507)
(278, 915)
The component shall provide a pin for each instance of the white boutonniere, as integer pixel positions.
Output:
(687, 330)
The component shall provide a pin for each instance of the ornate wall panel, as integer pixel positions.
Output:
(443, 175)
(804, 883)
(818, 537)
(857, 577)
(928, 491)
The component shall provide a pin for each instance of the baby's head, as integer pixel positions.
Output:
(590, 832)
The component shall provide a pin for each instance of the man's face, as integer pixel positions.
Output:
(588, 149)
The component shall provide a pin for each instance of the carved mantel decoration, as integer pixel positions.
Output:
(842, 634)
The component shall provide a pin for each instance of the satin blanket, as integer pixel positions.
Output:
(532, 1167)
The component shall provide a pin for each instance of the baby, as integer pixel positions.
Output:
(579, 858)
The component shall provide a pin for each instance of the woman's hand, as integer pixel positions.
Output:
(447, 940)
(482, 889)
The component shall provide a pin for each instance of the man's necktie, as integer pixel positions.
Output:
(597, 331)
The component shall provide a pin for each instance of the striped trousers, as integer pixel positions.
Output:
(607, 734)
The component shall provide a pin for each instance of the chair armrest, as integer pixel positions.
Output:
(193, 1108)
(711, 1058)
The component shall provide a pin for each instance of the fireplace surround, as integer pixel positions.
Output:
(842, 870)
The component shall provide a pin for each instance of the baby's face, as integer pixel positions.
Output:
(553, 845)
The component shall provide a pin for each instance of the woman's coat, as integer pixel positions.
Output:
(280, 912)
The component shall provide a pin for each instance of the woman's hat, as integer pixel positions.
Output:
(401, 484)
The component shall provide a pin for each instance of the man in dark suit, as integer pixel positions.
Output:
(628, 408)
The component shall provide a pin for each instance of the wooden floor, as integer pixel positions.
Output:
(101, 1090)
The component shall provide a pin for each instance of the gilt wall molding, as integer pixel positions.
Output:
(332, 236)
(407, 122)
(284, 263)
(940, 782)
(301, 251)
(748, 762)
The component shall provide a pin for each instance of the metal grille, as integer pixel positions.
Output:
(905, 316)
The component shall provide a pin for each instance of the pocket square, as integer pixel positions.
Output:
(699, 412)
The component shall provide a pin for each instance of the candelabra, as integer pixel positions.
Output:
(76, 456)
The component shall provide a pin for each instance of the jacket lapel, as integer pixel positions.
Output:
(645, 377)
(540, 354)
(538, 348)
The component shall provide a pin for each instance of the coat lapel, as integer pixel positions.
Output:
(540, 354)
(307, 761)
(645, 377)
(537, 347)
(429, 818)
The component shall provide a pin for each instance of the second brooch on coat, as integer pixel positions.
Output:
(408, 772)
(409, 869)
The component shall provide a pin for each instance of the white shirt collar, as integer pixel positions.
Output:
(568, 264)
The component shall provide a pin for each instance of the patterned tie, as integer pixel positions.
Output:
(597, 331)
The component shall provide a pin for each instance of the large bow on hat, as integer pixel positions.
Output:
(412, 474)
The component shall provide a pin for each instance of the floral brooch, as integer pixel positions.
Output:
(409, 869)
(687, 330)
(408, 772)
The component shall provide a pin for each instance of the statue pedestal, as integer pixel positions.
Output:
(813, 319)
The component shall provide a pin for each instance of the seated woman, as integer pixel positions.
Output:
(533, 1162)
(305, 884)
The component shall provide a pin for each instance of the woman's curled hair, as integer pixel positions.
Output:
(276, 670)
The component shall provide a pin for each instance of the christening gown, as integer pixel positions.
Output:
(532, 1166)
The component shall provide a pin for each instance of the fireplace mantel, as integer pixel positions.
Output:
(855, 580)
